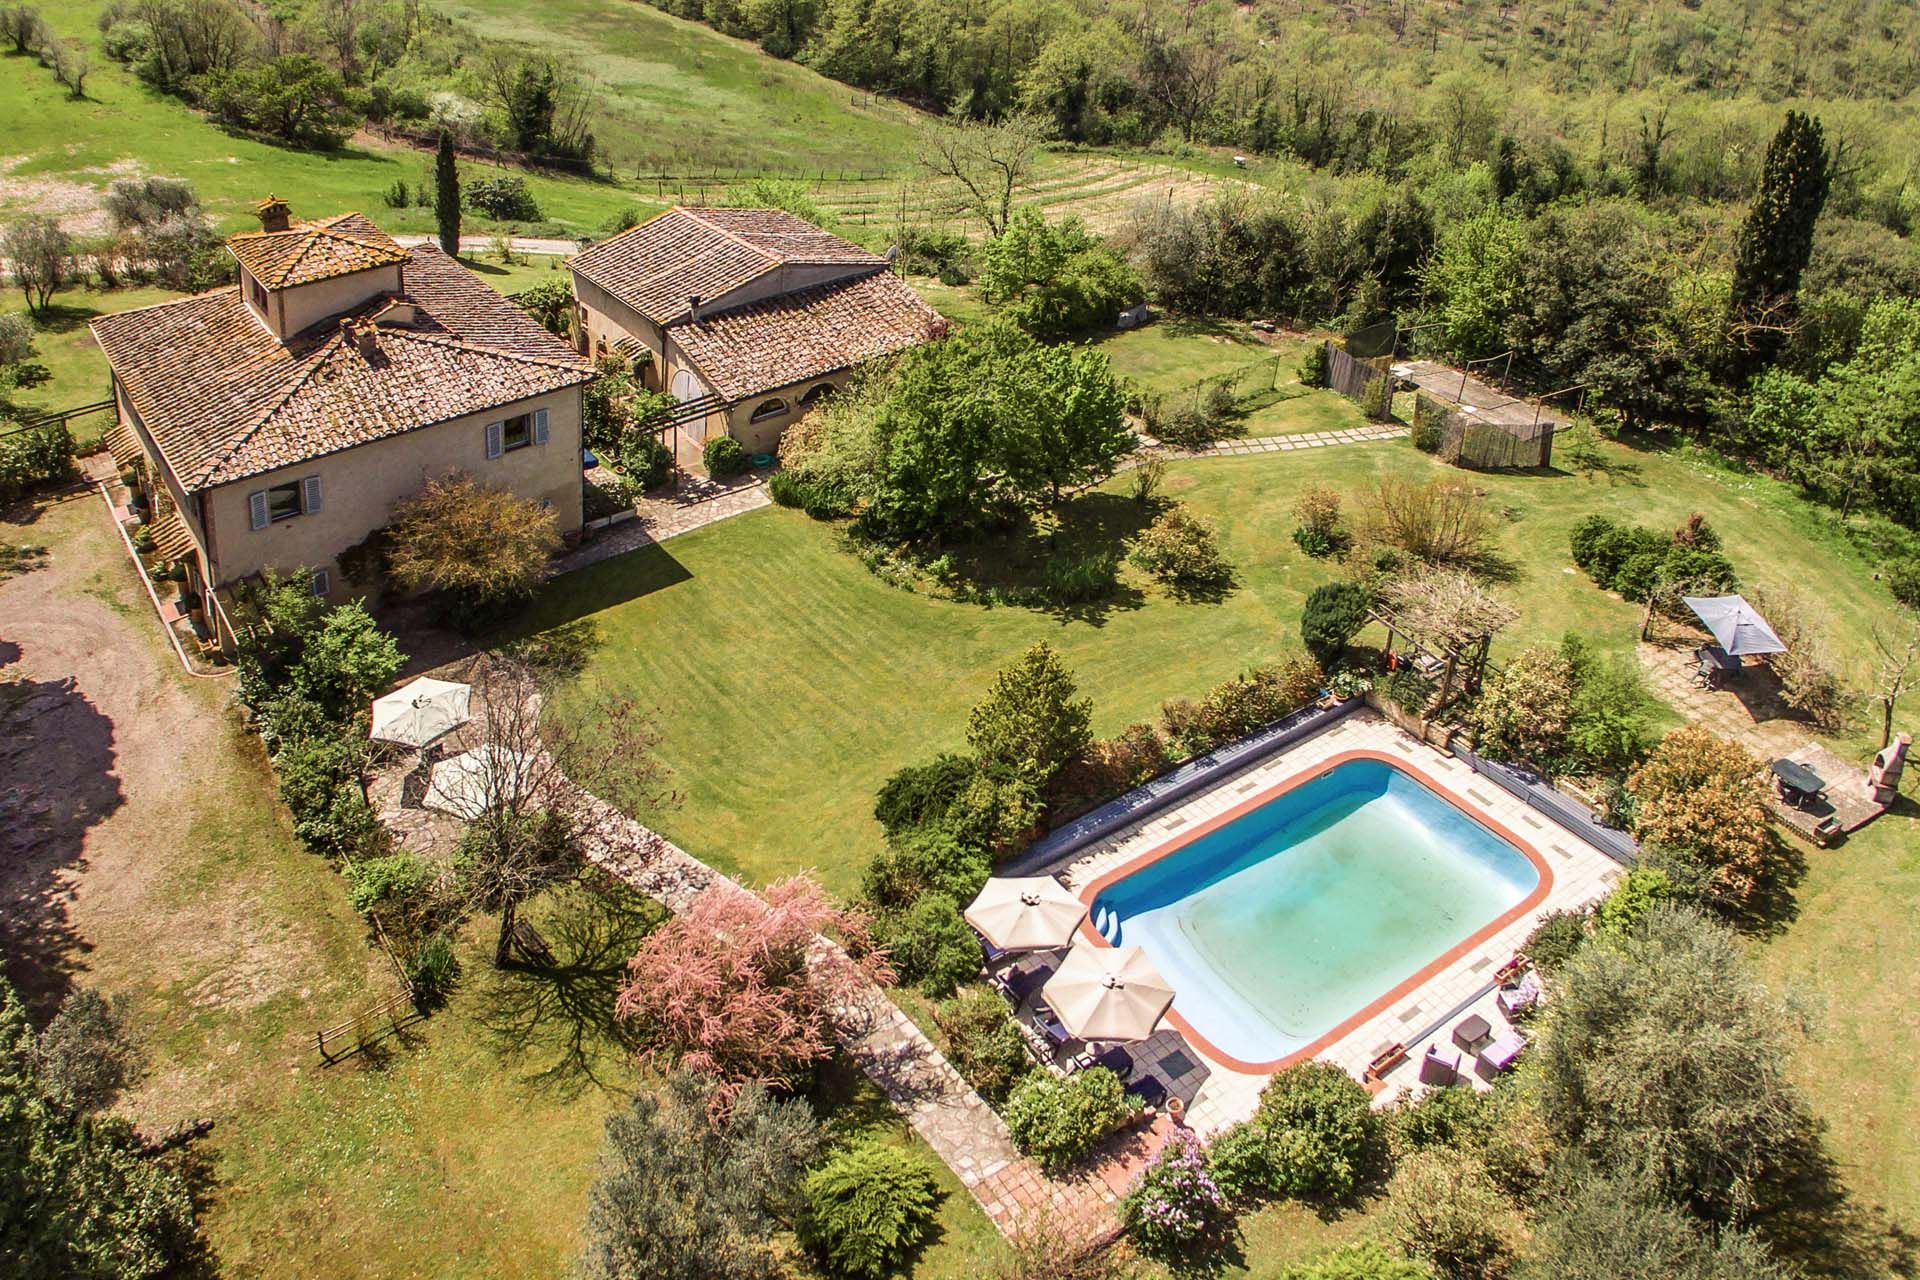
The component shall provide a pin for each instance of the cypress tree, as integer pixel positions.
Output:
(1777, 238)
(446, 195)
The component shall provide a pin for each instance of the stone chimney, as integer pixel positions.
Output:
(364, 335)
(693, 307)
(275, 215)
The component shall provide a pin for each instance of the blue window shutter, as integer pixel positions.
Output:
(539, 426)
(257, 509)
(493, 440)
(310, 494)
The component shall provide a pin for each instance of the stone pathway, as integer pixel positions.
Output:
(696, 503)
(1284, 444)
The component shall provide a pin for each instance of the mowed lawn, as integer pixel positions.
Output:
(789, 681)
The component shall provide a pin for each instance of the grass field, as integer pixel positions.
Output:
(679, 97)
(58, 155)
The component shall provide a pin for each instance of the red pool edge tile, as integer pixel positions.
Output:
(1174, 844)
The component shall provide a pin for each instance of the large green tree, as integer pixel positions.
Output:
(1663, 1059)
(1776, 240)
(685, 1196)
(79, 1197)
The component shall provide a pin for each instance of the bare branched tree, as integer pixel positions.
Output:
(988, 165)
(1894, 673)
(537, 783)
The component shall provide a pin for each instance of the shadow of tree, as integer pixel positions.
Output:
(558, 1019)
(1814, 1222)
(57, 759)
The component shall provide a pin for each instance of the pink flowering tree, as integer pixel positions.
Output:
(744, 987)
(1175, 1206)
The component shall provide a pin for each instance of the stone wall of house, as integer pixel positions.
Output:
(359, 487)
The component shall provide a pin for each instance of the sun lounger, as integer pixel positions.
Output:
(1050, 1026)
(1437, 1067)
(1503, 1052)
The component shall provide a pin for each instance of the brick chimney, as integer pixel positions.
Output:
(275, 215)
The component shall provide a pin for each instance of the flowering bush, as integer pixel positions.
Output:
(1524, 710)
(1175, 1203)
(1181, 551)
(1704, 800)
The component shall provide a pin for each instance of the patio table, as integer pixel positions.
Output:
(1472, 1032)
(1798, 784)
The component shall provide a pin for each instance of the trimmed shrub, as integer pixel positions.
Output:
(1459, 1119)
(931, 945)
(1030, 722)
(1182, 553)
(1334, 614)
(1175, 1204)
(1057, 1121)
(1313, 365)
(922, 793)
(724, 457)
(868, 1210)
(1315, 1136)
(1555, 939)
(984, 1042)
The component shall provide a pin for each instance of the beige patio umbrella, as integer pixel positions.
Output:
(467, 784)
(1026, 913)
(1108, 993)
(420, 711)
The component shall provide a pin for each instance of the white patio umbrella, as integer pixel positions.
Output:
(1026, 913)
(1108, 993)
(464, 785)
(420, 711)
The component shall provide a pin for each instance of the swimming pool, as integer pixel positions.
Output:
(1300, 913)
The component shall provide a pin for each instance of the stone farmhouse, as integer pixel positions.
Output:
(280, 419)
(748, 316)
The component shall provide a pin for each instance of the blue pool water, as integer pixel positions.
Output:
(1282, 924)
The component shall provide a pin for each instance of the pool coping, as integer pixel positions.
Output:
(1386, 1000)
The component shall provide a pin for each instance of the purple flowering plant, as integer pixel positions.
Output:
(1174, 1203)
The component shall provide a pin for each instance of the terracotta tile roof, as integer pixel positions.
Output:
(655, 267)
(780, 341)
(172, 540)
(224, 399)
(310, 251)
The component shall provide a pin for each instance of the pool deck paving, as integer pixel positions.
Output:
(1581, 874)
